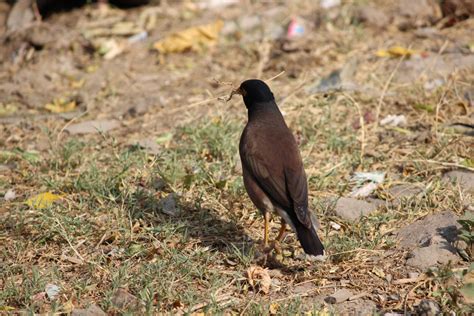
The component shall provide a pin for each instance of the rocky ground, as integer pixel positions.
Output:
(120, 182)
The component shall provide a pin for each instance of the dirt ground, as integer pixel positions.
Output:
(138, 148)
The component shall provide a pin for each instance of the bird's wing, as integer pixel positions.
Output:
(298, 190)
(287, 187)
(273, 184)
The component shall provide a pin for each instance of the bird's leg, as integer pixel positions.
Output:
(266, 229)
(282, 232)
(280, 236)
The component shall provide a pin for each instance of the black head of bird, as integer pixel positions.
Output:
(254, 92)
(272, 168)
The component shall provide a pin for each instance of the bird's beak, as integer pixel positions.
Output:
(236, 91)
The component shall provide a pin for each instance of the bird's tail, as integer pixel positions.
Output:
(309, 240)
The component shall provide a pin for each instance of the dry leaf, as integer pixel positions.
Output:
(7, 109)
(395, 51)
(274, 308)
(190, 39)
(378, 272)
(67, 307)
(60, 106)
(42, 200)
(259, 278)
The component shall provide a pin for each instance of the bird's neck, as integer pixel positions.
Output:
(263, 112)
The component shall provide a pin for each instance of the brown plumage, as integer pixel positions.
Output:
(273, 171)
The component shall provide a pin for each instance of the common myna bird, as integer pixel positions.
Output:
(273, 171)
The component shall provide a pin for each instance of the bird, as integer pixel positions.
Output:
(272, 168)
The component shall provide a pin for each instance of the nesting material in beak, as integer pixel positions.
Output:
(236, 91)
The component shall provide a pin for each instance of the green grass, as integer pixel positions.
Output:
(110, 219)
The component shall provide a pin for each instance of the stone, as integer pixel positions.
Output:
(418, 13)
(10, 195)
(355, 307)
(465, 179)
(304, 288)
(418, 233)
(432, 67)
(430, 240)
(352, 209)
(149, 144)
(339, 296)
(168, 205)
(92, 127)
(5, 168)
(438, 253)
(21, 15)
(403, 191)
(427, 308)
(123, 299)
(372, 16)
(92, 310)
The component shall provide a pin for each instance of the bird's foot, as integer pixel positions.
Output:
(275, 246)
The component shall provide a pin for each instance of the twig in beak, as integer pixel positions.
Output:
(236, 91)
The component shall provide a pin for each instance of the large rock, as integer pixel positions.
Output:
(402, 192)
(122, 299)
(92, 127)
(355, 307)
(430, 240)
(433, 67)
(438, 252)
(353, 209)
(417, 13)
(465, 179)
(372, 16)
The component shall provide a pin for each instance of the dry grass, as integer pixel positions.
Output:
(108, 231)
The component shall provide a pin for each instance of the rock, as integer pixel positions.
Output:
(394, 298)
(123, 299)
(403, 191)
(430, 240)
(328, 4)
(5, 168)
(91, 127)
(427, 308)
(41, 36)
(149, 144)
(465, 179)
(168, 205)
(356, 308)
(304, 288)
(372, 16)
(464, 249)
(432, 67)
(21, 15)
(418, 233)
(418, 13)
(352, 209)
(376, 202)
(339, 79)
(426, 32)
(92, 310)
(10, 195)
(438, 253)
(338, 297)
(158, 184)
